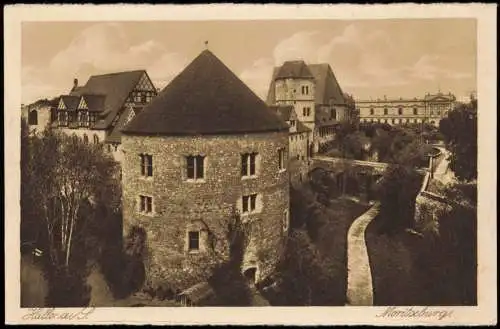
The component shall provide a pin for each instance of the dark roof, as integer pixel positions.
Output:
(283, 111)
(71, 102)
(116, 136)
(271, 96)
(294, 69)
(327, 87)
(301, 127)
(205, 98)
(95, 103)
(116, 87)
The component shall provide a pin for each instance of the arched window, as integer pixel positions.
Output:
(400, 111)
(85, 139)
(372, 111)
(33, 118)
(96, 139)
(415, 111)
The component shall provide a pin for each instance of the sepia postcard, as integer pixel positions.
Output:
(250, 164)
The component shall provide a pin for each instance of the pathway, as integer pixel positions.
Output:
(442, 172)
(359, 278)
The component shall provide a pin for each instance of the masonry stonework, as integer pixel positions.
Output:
(207, 204)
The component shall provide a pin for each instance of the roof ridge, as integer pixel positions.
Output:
(116, 73)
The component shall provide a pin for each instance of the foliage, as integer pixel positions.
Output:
(460, 134)
(303, 274)
(67, 189)
(397, 193)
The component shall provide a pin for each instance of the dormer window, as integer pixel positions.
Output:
(292, 123)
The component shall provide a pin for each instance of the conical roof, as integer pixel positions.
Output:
(205, 98)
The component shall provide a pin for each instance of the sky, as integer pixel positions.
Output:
(370, 58)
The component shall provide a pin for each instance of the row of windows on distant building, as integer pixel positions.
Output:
(400, 111)
(195, 164)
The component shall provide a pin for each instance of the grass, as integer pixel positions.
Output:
(396, 280)
(332, 241)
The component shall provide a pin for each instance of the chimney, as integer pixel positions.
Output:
(75, 83)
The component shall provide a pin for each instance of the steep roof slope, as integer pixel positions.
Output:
(294, 69)
(205, 98)
(327, 86)
(115, 86)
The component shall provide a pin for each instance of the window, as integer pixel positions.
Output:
(63, 118)
(415, 111)
(146, 165)
(333, 114)
(33, 118)
(305, 90)
(193, 240)
(248, 164)
(195, 167)
(281, 159)
(143, 98)
(400, 111)
(146, 204)
(372, 111)
(292, 123)
(96, 139)
(92, 119)
(306, 111)
(84, 118)
(249, 203)
(385, 111)
(85, 139)
(393, 121)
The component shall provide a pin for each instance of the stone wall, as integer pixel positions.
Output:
(208, 204)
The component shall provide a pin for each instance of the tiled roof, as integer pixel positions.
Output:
(205, 98)
(294, 69)
(327, 87)
(116, 87)
(116, 136)
(95, 103)
(283, 111)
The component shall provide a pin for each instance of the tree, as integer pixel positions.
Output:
(459, 130)
(397, 193)
(66, 184)
(305, 277)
